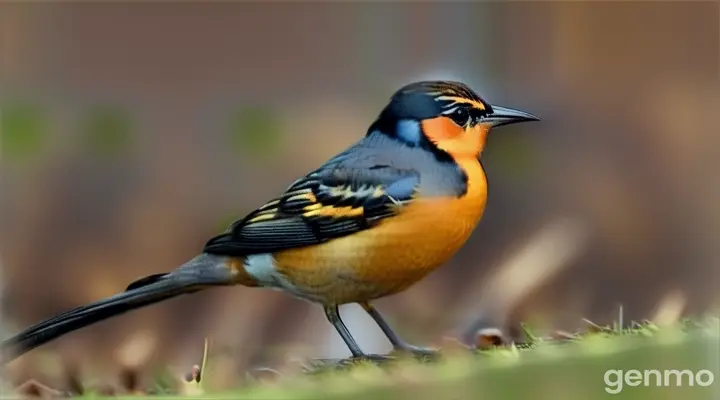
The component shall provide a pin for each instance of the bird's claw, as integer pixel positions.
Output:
(418, 352)
(372, 358)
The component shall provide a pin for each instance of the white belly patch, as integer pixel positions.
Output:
(261, 267)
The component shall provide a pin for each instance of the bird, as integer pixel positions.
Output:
(368, 223)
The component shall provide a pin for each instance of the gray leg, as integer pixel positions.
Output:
(333, 315)
(397, 342)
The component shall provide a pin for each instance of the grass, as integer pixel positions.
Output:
(564, 366)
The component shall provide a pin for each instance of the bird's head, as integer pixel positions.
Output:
(445, 117)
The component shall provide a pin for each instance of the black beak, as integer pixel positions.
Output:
(506, 116)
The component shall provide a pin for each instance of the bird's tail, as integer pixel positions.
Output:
(201, 272)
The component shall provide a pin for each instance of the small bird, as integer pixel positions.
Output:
(369, 223)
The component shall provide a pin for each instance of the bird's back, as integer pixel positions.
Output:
(437, 178)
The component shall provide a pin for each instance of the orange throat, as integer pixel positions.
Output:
(455, 140)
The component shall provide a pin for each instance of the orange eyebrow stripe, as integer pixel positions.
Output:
(441, 128)
(461, 100)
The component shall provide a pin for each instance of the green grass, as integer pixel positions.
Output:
(571, 368)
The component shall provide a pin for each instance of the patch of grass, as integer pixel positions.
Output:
(567, 366)
(544, 369)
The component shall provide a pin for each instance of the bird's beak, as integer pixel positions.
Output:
(506, 116)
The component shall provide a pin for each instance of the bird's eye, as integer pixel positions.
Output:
(461, 116)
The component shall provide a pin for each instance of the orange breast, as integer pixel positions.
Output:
(393, 255)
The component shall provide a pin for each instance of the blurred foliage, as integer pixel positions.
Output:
(255, 131)
(22, 131)
(107, 131)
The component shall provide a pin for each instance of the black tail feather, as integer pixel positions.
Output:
(145, 281)
(201, 272)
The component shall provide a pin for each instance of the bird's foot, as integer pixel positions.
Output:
(421, 353)
(319, 365)
(371, 358)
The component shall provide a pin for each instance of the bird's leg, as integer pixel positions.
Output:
(398, 343)
(333, 315)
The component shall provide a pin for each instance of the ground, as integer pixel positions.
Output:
(590, 365)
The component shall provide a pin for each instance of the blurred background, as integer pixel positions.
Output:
(131, 133)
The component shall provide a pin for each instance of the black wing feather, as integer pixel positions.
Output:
(326, 204)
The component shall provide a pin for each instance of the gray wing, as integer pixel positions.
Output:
(334, 201)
